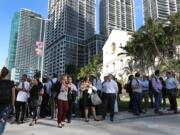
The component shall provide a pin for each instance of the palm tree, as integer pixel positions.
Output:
(129, 69)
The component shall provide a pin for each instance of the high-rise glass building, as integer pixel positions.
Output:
(29, 32)
(116, 14)
(71, 23)
(160, 9)
(13, 41)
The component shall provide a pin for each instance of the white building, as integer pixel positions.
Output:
(112, 62)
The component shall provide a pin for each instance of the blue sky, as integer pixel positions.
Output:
(9, 7)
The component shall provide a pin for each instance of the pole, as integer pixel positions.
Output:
(40, 40)
(42, 60)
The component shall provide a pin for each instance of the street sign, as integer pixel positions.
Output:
(39, 44)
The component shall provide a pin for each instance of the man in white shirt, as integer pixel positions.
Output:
(171, 87)
(21, 99)
(110, 89)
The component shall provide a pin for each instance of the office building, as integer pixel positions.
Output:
(160, 9)
(13, 41)
(116, 14)
(31, 29)
(71, 23)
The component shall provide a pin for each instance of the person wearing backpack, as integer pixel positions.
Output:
(137, 94)
(72, 93)
(44, 109)
(128, 89)
(157, 91)
(145, 89)
(7, 98)
(53, 83)
(151, 93)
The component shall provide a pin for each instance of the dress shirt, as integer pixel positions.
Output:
(145, 85)
(22, 96)
(110, 87)
(137, 83)
(171, 83)
(98, 84)
(156, 84)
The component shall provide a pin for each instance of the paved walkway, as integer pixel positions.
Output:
(124, 124)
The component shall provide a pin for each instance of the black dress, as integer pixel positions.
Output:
(86, 99)
(34, 99)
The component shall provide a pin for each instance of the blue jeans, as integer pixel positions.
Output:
(158, 97)
(2, 126)
(4, 115)
(137, 102)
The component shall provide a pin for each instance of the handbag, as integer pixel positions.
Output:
(95, 99)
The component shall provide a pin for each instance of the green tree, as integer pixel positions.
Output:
(92, 68)
(156, 40)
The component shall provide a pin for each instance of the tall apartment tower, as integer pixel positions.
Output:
(116, 14)
(29, 32)
(13, 41)
(160, 9)
(178, 5)
(71, 23)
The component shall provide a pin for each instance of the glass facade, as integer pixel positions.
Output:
(13, 41)
(30, 30)
(30, 26)
(71, 23)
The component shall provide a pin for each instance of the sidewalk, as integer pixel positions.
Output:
(124, 124)
(150, 113)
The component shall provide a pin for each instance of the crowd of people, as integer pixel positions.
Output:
(59, 97)
(155, 89)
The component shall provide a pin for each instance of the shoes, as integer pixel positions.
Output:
(111, 119)
(137, 114)
(59, 125)
(32, 123)
(86, 120)
(143, 112)
(69, 121)
(158, 112)
(169, 109)
(176, 112)
(96, 119)
(103, 118)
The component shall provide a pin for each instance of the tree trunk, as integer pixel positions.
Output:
(158, 52)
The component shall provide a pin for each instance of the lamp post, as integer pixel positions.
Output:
(43, 44)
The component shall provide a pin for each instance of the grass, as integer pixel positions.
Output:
(125, 101)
